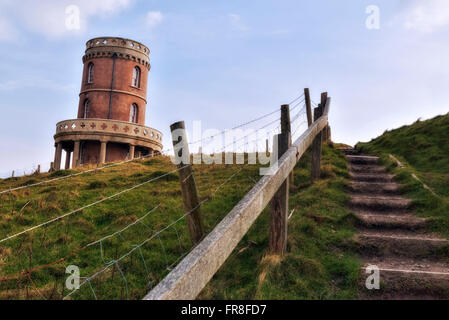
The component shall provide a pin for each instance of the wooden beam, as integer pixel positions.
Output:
(192, 274)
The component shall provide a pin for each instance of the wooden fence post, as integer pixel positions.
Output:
(317, 142)
(308, 106)
(279, 203)
(286, 129)
(325, 134)
(188, 184)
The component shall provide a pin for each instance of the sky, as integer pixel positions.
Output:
(384, 63)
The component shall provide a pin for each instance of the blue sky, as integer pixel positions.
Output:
(223, 62)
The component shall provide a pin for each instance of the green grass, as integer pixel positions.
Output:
(29, 207)
(319, 263)
(423, 148)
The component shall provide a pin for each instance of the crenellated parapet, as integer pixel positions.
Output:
(121, 47)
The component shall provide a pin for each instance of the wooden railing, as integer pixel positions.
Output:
(193, 273)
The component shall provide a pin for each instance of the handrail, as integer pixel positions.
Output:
(193, 273)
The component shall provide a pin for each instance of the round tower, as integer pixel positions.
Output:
(110, 124)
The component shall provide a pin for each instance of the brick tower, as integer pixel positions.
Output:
(111, 114)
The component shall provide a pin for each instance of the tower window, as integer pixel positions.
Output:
(90, 73)
(86, 109)
(133, 113)
(136, 77)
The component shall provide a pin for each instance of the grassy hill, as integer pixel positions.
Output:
(67, 237)
(318, 263)
(423, 148)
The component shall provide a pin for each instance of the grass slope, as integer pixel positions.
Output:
(423, 148)
(319, 263)
(131, 277)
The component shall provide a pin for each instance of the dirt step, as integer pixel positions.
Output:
(367, 169)
(361, 159)
(371, 177)
(375, 188)
(421, 233)
(379, 203)
(402, 244)
(407, 278)
(348, 151)
(388, 221)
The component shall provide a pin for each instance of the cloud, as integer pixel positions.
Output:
(50, 17)
(237, 23)
(154, 18)
(427, 16)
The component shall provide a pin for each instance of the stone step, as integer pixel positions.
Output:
(406, 278)
(374, 188)
(379, 203)
(362, 160)
(367, 169)
(400, 244)
(388, 221)
(349, 151)
(371, 177)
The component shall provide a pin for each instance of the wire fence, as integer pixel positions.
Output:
(133, 257)
(116, 164)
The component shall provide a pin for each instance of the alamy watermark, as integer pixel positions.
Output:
(73, 281)
(72, 19)
(373, 280)
(225, 147)
(372, 22)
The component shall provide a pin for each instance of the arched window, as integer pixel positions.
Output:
(86, 109)
(90, 73)
(133, 113)
(136, 77)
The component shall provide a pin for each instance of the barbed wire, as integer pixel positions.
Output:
(115, 262)
(296, 99)
(9, 190)
(298, 127)
(242, 138)
(75, 174)
(28, 272)
(300, 112)
(74, 252)
(90, 205)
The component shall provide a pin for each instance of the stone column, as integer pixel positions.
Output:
(58, 155)
(103, 152)
(76, 155)
(67, 159)
(132, 149)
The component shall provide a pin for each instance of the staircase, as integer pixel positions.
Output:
(412, 262)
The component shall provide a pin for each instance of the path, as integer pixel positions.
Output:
(412, 261)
